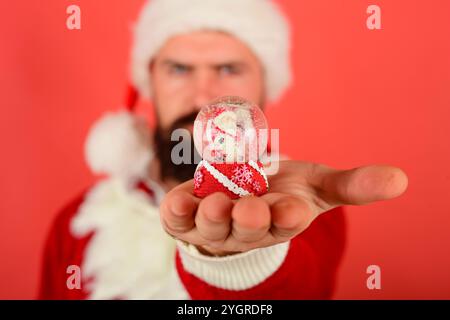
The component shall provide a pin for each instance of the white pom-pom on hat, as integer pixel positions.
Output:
(119, 145)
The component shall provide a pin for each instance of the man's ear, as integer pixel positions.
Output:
(151, 66)
(262, 101)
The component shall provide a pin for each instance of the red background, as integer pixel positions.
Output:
(359, 97)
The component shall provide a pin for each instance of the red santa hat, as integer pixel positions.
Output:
(114, 146)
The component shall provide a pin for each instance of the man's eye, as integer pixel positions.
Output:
(178, 69)
(228, 70)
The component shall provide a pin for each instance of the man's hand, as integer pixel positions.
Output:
(298, 194)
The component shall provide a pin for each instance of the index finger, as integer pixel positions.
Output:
(178, 209)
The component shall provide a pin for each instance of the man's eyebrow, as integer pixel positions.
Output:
(171, 62)
(236, 64)
(229, 63)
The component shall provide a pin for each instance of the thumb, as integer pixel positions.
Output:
(364, 185)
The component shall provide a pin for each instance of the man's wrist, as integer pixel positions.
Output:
(238, 271)
(213, 252)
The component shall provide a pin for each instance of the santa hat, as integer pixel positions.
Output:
(257, 23)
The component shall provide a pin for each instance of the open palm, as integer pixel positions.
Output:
(298, 194)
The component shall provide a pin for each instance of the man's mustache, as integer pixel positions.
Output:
(164, 146)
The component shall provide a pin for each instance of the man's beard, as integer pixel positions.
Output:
(163, 145)
(162, 139)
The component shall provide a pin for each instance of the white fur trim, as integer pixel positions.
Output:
(129, 256)
(223, 179)
(255, 166)
(257, 23)
(235, 272)
(119, 145)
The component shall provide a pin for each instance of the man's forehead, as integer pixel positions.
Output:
(204, 47)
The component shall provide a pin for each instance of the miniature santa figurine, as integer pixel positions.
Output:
(230, 134)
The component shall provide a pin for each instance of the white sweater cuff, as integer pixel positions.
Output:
(235, 272)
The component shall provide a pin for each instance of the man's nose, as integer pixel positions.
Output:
(205, 89)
